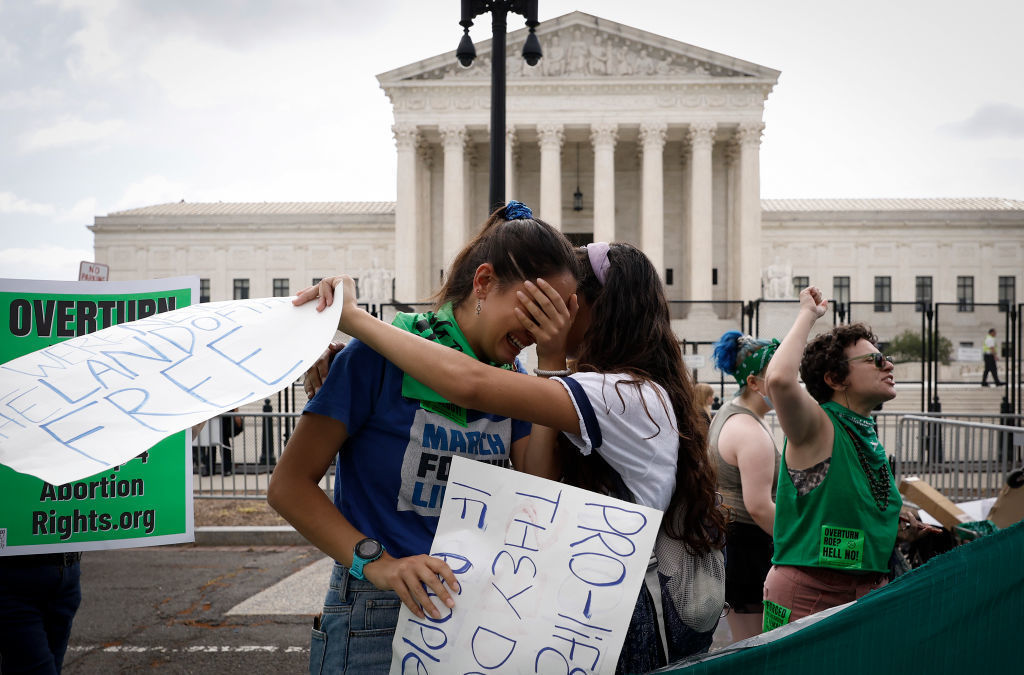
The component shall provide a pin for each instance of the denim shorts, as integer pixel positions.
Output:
(356, 628)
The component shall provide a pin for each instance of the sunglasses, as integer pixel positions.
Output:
(879, 359)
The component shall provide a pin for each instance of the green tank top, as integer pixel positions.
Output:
(849, 521)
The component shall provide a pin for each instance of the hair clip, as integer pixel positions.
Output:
(517, 211)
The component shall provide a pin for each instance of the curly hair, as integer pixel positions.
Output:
(826, 355)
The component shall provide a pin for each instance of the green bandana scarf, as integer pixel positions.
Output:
(755, 362)
(870, 452)
(440, 327)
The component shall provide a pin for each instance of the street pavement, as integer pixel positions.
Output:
(208, 608)
(189, 609)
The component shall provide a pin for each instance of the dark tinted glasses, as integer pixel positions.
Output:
(880, 360)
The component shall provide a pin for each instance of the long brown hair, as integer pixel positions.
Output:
(518, 248)
(630, 332)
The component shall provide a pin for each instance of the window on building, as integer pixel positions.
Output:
(799, 284)
(922, 293)
(241, 291)
(883, 294)
(841, 290)
(204, 290)
(280, 288)
(1007, 293)
(965, 294)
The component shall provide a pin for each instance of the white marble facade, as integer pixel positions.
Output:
(667, 136)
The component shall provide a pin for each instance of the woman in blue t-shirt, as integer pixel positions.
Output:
(397, 437)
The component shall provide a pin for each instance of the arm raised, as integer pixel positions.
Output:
(804, 422)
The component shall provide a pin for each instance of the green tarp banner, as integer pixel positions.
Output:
(961, 612)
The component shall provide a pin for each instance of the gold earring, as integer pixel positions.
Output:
(478, 306)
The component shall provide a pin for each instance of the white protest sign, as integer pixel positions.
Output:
(95, 401)
(549, 576)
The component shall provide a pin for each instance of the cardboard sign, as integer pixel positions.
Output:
(549, 577)
(145, 501)
(96, 401)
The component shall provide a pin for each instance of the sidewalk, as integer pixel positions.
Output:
(241, 522)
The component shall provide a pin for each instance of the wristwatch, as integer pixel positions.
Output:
(365, 552)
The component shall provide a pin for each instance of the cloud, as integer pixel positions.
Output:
(30, 99)
(43, 262)
(82, 212)
(148, 191)
(70, 131)
(10, 203)
(995, 120)
(9, 54)
(96, 55)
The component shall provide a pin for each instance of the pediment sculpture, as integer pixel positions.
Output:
(578, 51)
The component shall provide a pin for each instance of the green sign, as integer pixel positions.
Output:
(145, 501)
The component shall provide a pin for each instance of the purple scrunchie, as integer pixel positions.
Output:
(598, 254)
(517, 210)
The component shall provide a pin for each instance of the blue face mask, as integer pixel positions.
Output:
(768, 402)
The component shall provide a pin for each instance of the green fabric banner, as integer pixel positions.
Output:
(958, 613)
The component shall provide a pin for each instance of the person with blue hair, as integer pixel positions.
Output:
(748, 469)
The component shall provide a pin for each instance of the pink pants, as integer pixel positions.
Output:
(807, 590)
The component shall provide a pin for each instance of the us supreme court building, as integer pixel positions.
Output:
(660, 138)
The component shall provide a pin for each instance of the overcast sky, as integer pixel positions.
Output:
(113, 104)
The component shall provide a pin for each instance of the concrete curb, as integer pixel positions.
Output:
(271, 535)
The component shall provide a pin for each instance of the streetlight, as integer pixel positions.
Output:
(467, 52)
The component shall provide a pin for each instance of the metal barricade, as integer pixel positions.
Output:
(226, 466)
(963, 460)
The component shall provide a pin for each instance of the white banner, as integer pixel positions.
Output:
(549, 576)
(95, 401)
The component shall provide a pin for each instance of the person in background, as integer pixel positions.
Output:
(837, 506)
(748, 469)
(706, 396)
(990, 355)
(39, 595)
(230, 426)
(371, 414)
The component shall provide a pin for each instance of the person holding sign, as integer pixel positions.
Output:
(837, 506)
(394, 438)
(748, 469)
(629, 415)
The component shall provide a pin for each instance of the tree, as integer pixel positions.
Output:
(907, 346)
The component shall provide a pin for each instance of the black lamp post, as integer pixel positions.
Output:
(466, 53)
(577, 197)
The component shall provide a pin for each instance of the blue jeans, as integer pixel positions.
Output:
(39, 596)
(354, 633)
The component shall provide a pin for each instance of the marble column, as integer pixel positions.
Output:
(652, 193)
(427, 277)
(604, 136)
(550, 139)
(729, 272)
(453, 138)
(510, 163)
(698, 241)
(407, 231)
(748, 258)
